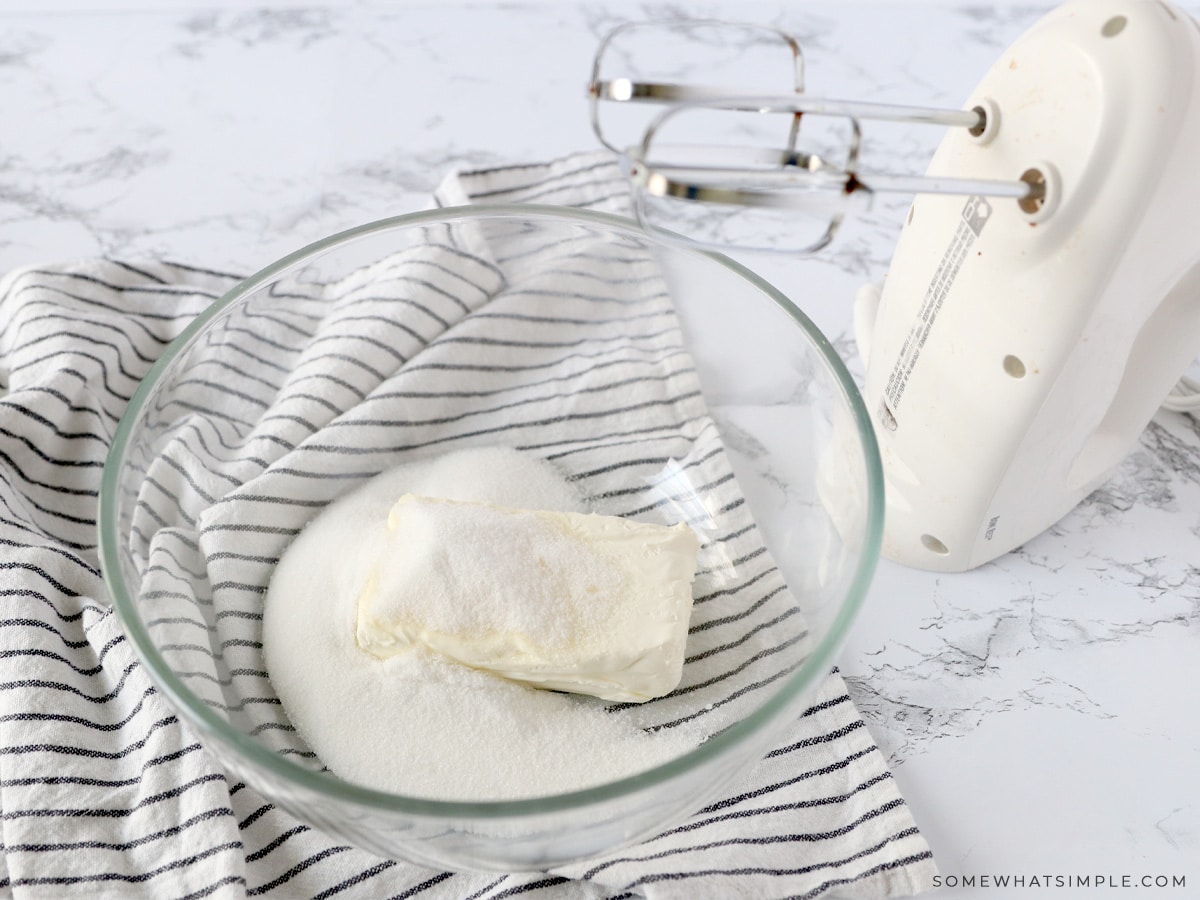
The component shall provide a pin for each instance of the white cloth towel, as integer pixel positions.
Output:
(104, 791)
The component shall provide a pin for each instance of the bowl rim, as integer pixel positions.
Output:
(207, 722)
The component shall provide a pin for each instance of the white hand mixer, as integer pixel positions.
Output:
(1028, 331)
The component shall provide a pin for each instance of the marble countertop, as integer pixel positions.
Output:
(1040, 712)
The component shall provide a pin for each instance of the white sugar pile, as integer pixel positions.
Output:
(414, 724)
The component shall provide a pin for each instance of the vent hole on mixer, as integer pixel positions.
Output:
(1014, 367)
(933, 545)
(1114, 26)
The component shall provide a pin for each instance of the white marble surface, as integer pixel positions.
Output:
(1040, 712)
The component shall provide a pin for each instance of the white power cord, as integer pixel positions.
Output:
(1184, 397)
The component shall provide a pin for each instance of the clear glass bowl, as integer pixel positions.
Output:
(540, 328)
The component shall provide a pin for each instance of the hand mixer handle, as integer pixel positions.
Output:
(1019, 352)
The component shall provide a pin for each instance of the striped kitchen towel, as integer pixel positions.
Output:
(105, 792)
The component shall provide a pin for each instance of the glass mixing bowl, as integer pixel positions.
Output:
(666, 384)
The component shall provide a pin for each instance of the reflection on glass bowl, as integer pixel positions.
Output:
(663, 384)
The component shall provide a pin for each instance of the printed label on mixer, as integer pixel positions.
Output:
(975, 215)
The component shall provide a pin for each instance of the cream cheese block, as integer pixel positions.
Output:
(572, 602)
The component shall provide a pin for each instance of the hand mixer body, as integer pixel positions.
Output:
(1019, 349)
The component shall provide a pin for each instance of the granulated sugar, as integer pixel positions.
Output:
(415, 724)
